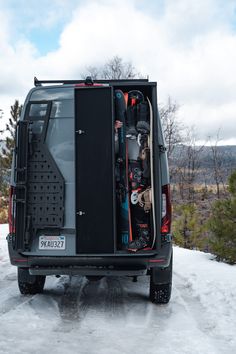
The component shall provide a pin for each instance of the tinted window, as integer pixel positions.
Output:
(60, 142)
(38, 110)
(63, 109)
(52, 94)
(37, 126)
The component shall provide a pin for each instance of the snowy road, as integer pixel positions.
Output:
(114, 315)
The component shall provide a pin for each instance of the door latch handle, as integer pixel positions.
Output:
(80, 213)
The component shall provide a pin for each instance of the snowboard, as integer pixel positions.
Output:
(123, 215)
(140, 175)
(151, 172)
(136, 224)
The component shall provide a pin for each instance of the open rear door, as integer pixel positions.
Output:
(95, 180)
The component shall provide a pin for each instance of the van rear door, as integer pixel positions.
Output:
(94, 164)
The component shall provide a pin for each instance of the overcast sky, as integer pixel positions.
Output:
(187, 46)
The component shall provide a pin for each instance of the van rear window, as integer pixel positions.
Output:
(37, 126)
(62, 109)
(52, 94)
(38, 110)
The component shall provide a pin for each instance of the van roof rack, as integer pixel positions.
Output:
(88, 81)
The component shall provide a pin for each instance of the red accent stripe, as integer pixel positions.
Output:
(10, 211)
(126, 97)
(19, 260)
(133, 101)
(166, 220)
(86, 85)
(156, 260)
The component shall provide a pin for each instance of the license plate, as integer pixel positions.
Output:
(52, 242)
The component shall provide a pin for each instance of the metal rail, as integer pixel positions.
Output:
(88, 81)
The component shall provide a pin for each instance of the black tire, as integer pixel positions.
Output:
(30, 284)
(160, 292)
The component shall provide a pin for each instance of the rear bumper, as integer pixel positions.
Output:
(130, 264)
(87, 271)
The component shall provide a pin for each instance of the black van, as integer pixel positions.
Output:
(90, 185)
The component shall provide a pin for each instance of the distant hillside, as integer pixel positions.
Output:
(204, 164)
(179, 159)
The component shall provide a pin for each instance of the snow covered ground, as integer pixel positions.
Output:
(114, 315)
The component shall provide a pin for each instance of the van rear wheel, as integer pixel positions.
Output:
(30, 284)
(160, 294)
(161, 284)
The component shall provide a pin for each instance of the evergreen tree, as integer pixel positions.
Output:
(1, 158)
(1, 131)
(223, 225)
(10, 139)
(3, 183)
(187, 228)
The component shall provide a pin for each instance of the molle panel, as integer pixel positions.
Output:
(45, 190)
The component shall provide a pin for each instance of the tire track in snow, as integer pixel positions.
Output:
(92, 300)
(138, 307)
(77, 298)
(14, 302)
(198, 312)
(90, 309)
(66, 293)
(10, 297)
(6, 282)
(68, 304)
(114, 300)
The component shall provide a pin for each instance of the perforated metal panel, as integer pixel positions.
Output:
(45, 192)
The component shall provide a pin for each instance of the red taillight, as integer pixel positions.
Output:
(11, 211)
(166, 210)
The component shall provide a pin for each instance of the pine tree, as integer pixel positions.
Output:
(3, 183)
(1, 158)
(223, 225)
(10, 140)
(187, 228)
(1, 131)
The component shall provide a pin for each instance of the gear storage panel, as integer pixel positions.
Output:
(94, 170)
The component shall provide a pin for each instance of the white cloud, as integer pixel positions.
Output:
(190, 50)
(209, 119)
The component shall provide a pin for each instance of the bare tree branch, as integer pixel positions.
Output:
(172, 128)
(114, 68)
